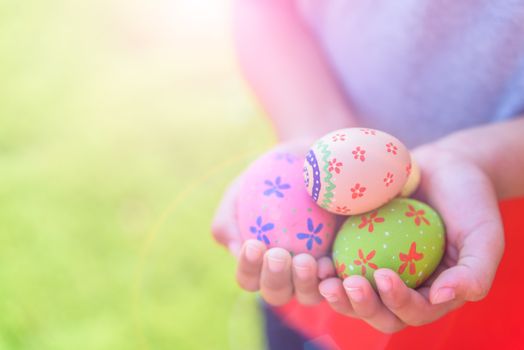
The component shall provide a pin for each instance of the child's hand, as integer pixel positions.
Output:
(278, 276)
(464, 195)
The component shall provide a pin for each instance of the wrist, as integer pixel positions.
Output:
(494, 149)
(464, 146)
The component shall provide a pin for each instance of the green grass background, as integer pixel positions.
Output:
(121, 123)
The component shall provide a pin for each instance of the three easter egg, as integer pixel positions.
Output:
(354, 172)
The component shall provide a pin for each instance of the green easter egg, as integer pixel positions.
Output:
(405, 235)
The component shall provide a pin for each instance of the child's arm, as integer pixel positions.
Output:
(498, 149)
(287, 71)
(304, 103)
(464, 175)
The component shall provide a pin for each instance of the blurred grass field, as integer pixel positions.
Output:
(121, 123)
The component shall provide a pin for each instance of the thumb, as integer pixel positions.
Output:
(224, 225)
(472, 277)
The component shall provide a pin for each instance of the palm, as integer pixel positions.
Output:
(463, 195)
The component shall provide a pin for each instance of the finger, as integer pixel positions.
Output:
(410, 306)
(224, 227)
(333, 291)
(250, 265)
(325, 268)
(305, 279)
(472, 277)
(276, 280)
(367, 305)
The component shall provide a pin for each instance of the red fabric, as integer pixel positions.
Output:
(497, 322)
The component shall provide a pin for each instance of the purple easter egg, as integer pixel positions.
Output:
(274, 207)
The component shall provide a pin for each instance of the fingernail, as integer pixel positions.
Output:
(303, 272)
(443, 295)
(332, 298)
(355, 294)
(253, 253)
(383, 282)
(276, 262)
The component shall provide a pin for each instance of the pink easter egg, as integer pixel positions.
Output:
(274, 207)
(353, 171)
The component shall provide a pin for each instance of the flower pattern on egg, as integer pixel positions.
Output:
(409, 259)
(288, 157)
(368, 222)
(341, 269)
(335, 166)
(391, 148)
(338, 137)
(312, 236)
(388, 180)
(276, 187)
(369, 132)
(419, 215)
(261, 230)
(357, 191)
(364, 260)
(359, 153)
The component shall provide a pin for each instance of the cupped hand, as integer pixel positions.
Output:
(273, 272)
(463, 194)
